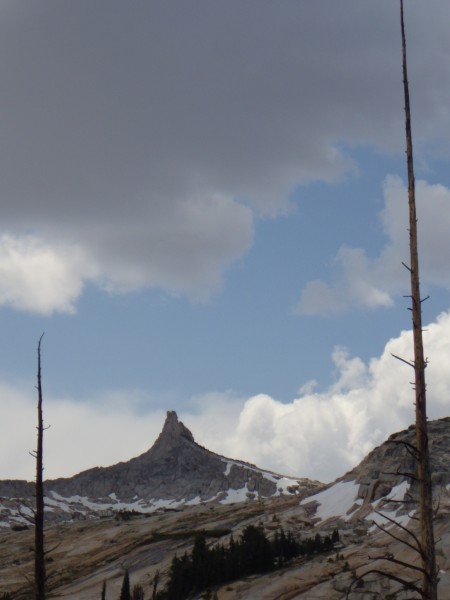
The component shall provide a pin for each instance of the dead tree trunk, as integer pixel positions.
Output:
(39, 555)
(429, 579)
(426, 584)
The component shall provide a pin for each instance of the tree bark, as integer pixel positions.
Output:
(429, 580)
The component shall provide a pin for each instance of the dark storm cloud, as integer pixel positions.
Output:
(146, 133)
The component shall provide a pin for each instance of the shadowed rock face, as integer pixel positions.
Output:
(175, 468)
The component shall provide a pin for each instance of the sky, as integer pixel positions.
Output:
(204, 207)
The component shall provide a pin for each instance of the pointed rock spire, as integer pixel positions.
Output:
(174, 428)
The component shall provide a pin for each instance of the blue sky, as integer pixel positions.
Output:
(204, 208)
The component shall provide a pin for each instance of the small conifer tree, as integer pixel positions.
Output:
(138, 593)
(125, 592)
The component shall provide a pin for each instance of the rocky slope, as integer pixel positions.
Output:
(384, 481)
(175, 472)
(96, 550)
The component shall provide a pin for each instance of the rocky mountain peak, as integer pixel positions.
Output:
(174, 472)
(174, 428)
(175, 439)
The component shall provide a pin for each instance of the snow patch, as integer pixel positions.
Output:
(50, 502)
(283, 483)
(235, 496)
(398, 492)
(381, 517)
(193, 502)
(228, 468)
(336, 501)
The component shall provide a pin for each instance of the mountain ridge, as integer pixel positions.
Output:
(361, 505)
(173, 472)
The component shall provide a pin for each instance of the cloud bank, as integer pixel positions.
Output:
(140, 141)
(317, 435)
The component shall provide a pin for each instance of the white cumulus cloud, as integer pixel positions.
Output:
(322, 435)
(36, 276)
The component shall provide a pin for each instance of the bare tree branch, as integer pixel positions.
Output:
(407, 584)
(407, 362)
(417, 548)
(392, 559)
